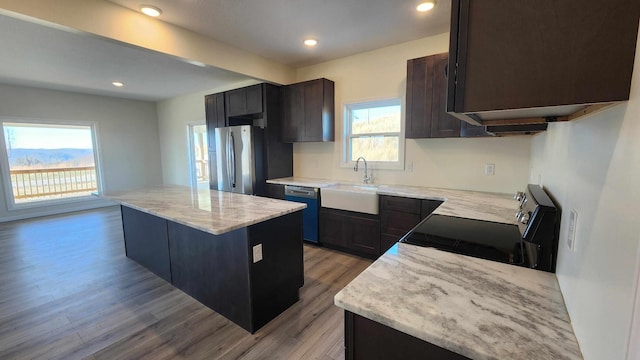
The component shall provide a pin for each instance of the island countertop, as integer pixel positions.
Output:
(211, 211)
(477, 308)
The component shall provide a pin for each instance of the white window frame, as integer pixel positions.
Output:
(346, 143)
(6, 176)
(192, 156)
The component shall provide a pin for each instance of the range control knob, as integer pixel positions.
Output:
(518, 214)
(518, 196)
(524, 218)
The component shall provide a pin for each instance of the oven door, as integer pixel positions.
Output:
(477, 238)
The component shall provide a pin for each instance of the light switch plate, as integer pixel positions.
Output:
(257, 253)
(490, 169)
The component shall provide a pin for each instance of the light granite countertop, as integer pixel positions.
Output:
(460, 203)
(212, 211)
(302, 181)
(477, 308)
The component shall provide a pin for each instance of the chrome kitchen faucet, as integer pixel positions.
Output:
(367, 178)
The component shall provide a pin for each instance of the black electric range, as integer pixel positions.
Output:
(531, 242)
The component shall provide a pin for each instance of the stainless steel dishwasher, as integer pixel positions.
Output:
(309, 196)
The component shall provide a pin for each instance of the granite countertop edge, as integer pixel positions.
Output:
(213, 221)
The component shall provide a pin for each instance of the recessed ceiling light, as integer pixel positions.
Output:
(150, 10)
(118, 83)
(311, 42)
(426, 6)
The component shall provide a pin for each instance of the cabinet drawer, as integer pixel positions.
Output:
(397, 223)
(394, 203)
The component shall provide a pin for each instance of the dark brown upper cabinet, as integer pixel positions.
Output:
(515, 62)
(277, 155)
(244, 101)
(309, 111)
(214, 113)
(426, 115)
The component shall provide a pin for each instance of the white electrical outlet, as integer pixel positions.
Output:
(257, 253)
(490, 169)
(410, 166)
(571, 232)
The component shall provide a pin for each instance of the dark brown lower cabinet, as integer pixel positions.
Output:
(398, 215)
(219, 270)
(274, 191)
(352, 232)
(369, 340)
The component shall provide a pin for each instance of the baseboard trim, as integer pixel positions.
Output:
(35, 213)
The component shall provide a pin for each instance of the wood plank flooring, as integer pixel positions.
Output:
(67, 291)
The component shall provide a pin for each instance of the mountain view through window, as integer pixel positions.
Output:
(50, 161)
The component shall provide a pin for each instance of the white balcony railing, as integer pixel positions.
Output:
(58, 182)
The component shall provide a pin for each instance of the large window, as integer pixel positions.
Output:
(48, 162)
(374, 130)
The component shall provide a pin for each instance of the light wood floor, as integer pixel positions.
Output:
(68, 292)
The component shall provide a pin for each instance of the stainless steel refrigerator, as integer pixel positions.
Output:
(238, 159)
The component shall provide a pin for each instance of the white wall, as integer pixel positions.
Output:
(592, 165)
(112, 21)
(174, 115)
(127, 135)
(448, 163)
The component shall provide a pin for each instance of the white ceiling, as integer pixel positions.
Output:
(275, 29)
(52, 57)
(40, 56)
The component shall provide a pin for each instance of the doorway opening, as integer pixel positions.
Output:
(198, 156)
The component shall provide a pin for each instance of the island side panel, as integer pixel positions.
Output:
(276, 279)
(213, 269)
(146, 241)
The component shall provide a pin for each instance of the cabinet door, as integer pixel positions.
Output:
(309, 111)
(313, 108)
(363, 235)
(244, 101)
(387, 241)
(274, 191)
(253, 96)
(442, 124)
(398, 223)
(236, 102)
(214, 110)
(332, 229)
(293, 124)
(418, 102)
(573, 56)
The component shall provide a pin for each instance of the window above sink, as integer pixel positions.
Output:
(375, 131)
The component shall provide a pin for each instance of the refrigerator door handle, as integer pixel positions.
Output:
(231, 159)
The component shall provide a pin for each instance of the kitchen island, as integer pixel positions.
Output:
(240, 255)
